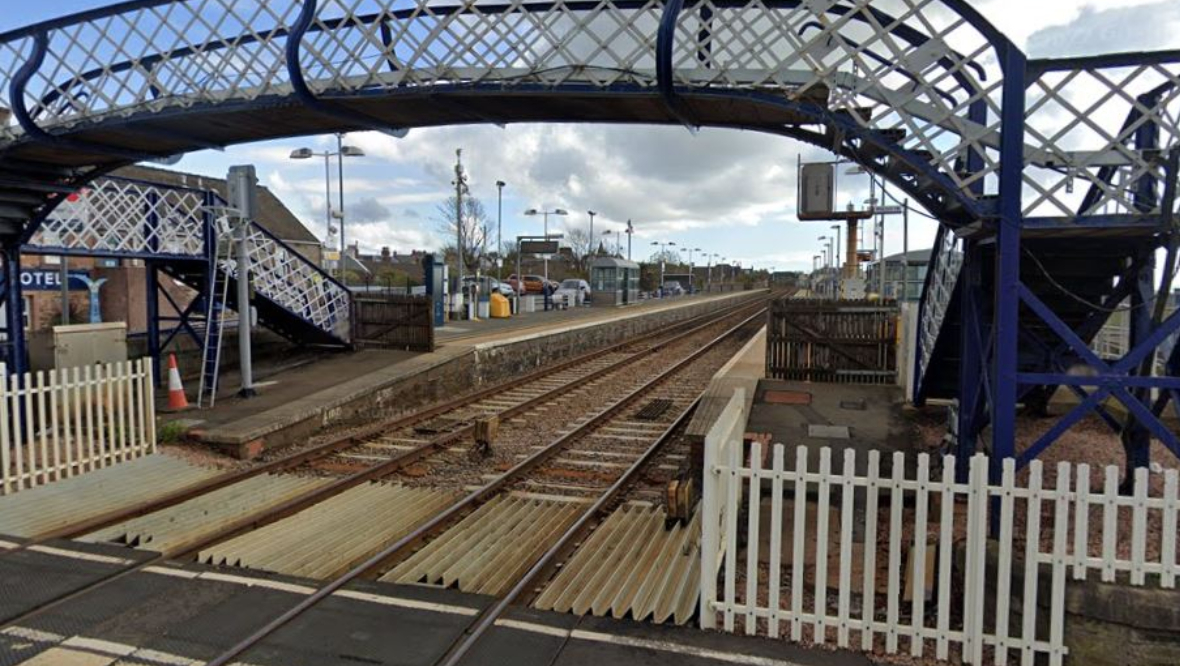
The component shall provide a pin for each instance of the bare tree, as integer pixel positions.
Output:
(476, 228)
(670, 257)
(581, 247)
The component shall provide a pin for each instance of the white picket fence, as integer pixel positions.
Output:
(58, 423)
(988, 607)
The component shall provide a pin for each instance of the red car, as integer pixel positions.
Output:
(533, 284)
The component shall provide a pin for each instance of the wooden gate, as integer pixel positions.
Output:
(847, 342)
(393, 322)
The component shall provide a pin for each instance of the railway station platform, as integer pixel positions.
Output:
(188, 614)
(338, 388)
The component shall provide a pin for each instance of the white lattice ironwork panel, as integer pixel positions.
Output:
(150, 58)
(1081, 129)
(125, 217)
(948, 264)
(366, 44)
(286, 278)
(915, 68)
(924, 72)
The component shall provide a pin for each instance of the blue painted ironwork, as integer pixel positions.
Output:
(173, 229)
(15, 356)
(926, 93)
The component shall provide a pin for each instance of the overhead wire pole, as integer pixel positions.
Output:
(460, 183)
(340, 211)
(500, 232)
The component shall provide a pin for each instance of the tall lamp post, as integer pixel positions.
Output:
(591, 214)
(630, 232)
(500, 231)
(839, 262)
(692, 278)
(546, 213)
(663, 260)
(341, 152)
(827, 252)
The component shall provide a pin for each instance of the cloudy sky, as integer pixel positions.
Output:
(729, 192)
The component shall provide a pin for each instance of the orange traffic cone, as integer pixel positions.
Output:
(176, 398)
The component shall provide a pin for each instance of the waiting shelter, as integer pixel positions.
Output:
(614, 281)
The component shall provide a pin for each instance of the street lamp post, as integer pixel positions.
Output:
(692, 278)
(500, 232)
(663, 260)
(838, 259)
(591, 214)
(630, 232)
(341, 152)
(545, 214)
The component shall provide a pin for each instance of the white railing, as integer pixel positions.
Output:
(962, 591)
(59, 423)
(948, 263)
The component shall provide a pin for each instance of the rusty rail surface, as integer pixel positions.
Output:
(479, 497)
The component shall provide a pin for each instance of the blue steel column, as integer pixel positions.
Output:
(972, 360)
(152, 283)
(14, 305)
(1007, 295)
(1136, 438)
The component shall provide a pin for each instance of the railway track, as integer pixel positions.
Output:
(515, 563)
(402, 441)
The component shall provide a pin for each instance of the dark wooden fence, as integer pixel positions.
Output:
(393, 322)
(846, 342)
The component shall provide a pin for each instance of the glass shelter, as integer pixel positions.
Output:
(614, 281)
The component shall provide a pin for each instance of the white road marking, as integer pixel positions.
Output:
(86, 557)
(679, 648)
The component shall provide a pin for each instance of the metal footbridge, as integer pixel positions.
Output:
(1054, 180)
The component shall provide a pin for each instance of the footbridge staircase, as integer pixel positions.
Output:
(1053, 180)
(180, 234)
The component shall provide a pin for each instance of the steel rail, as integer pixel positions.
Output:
(313, 497)
(471, 501)
(354, 436)
(543, 567)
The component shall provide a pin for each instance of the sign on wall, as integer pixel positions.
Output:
(35, 279)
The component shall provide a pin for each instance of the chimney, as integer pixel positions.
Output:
(385, 256)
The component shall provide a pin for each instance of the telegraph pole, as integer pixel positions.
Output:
(242, 187)
(459, 183)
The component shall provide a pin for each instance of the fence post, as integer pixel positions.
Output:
(149, 390)
(6, 485)
(710, 528)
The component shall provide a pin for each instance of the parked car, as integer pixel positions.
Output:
(673, 289)
(533, 284)
(490, 285)
(573, 289)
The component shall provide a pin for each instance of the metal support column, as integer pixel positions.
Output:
(1136, 437)
(1006, 327)
(972, 359)
(14, 305)
(152, 282)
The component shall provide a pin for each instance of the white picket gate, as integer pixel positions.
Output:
(987, 608)
(58, 423)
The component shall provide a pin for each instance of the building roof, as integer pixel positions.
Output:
(912, 257)
(612, 262)
(274, 215)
